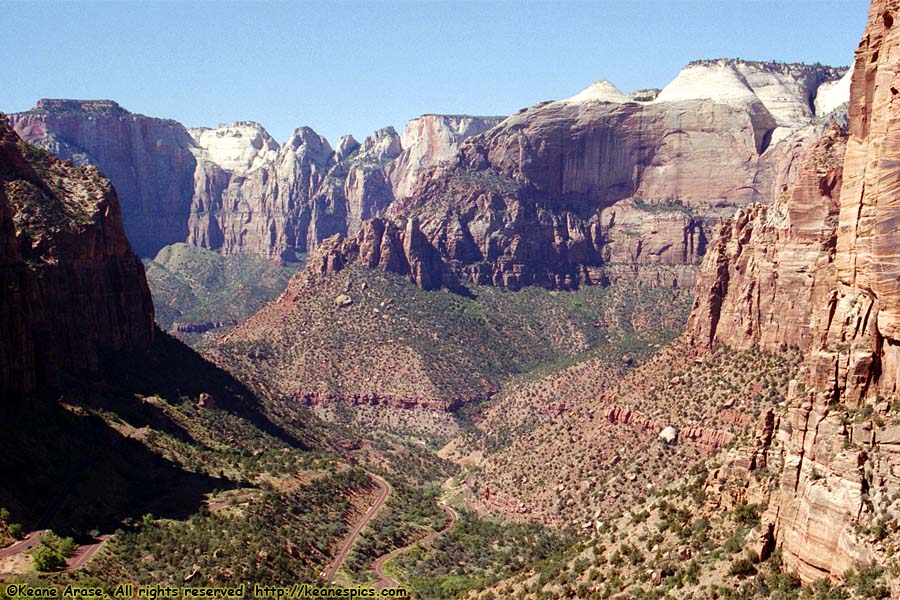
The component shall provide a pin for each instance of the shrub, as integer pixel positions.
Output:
(742, 567)
(46, 559)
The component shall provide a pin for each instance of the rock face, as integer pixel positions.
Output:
(834, 448)
(382, 245)
(72, 285)
(429, 141)
(770, 267)
(589, 189)
(148, 160)
(601, 186)
(235, 189)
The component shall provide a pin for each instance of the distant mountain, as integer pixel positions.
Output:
(234, 189)
(601, 185)
(574, 191)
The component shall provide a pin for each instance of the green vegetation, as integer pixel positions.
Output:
(197, 290)
(269, 536)
(477, 553)
(9, 530)
(51, 555)
(410, 514)
(669, 205)
(398, 340)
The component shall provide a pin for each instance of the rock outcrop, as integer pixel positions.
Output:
(149, 161)
(788, 274)
(770, 267)
(234, 188)
(72, 287)
(385, 246)
(429, 141)
(601, 186)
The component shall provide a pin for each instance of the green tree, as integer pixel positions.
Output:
(66, 547)
(46, 559)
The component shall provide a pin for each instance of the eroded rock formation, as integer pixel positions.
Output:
(834, 292)
(234, 188)
(604, 185)
(589, 189)
(770, 267)
(72, 287)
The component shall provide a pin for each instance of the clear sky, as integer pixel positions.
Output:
(349, 67)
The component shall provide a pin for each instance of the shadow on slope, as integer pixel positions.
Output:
(83, 458)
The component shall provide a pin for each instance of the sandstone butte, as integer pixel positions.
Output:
(72, 285)
(603, 185)
(819, 270)
(234, 188)
(587, 189)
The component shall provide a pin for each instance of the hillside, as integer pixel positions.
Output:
(118, 437)
(200, 295)
(368, 337)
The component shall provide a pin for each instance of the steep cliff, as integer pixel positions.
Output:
(432, 140)
(833, 290)
(72, 286)
(234, 188)
(770, 267)
(601, 186)
(148, 160)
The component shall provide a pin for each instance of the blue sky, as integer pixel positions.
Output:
(348, 67)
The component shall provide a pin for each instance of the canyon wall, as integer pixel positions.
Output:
(588, 189)
(771, 266)
(234, 188)
(73, 288)
(601, 186)
(820, 270)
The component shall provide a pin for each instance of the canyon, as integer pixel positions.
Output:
(584, 190)
(668, 319)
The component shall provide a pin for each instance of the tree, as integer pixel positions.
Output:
(46, 559)
(66, 547)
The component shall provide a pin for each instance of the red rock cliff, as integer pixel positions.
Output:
(72, 285)
(835, 450)
(770, 267)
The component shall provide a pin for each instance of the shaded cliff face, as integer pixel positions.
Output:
(233, 188)
(833, 451)
(72, 286)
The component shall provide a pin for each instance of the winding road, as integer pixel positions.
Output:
(385, 490)
(385, 580)
(82, 555)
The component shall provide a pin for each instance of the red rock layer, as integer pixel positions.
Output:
(72, 286)
(382, 245)
(315, 399)
(837, 471)
(770, 267)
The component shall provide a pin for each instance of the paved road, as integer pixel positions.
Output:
(385, 580)
(27, 543)
(385, 487)
(84, 553)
